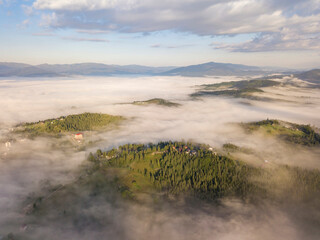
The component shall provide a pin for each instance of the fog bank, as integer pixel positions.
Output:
(27, 164)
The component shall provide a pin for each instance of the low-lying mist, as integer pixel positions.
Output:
(28, 164)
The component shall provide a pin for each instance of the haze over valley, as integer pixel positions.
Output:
(176, 120)
(212, 120)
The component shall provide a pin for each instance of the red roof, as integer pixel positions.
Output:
(78, 134)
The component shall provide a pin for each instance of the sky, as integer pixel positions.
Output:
(279, 33)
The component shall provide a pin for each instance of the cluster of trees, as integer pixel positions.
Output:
(233, 92)
(245, 84)
(305, 182)
(157, 101)
(310, 137)
(182, 167)
(71, 123)
(265, 122)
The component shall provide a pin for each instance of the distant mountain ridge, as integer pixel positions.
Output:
(85, 69)
(98, 69)
(215, 69)
(312, 76)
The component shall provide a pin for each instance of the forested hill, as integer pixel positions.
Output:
(312, 76)
(177, 167)
(239, 89)
(157, 101)
(290, 132)
(155, 173)
(70, 123)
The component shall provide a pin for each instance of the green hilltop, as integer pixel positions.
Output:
(178, 167)
(70, 123)
(157, 101)
(194, 170)
(289, 132)
(237, 89)
(138, 172)
(157, 174)
(312, 76)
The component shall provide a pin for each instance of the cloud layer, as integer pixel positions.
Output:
(283, 25)
(203, 121)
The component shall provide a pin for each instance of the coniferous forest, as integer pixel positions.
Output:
(195, 169)
(70, 123)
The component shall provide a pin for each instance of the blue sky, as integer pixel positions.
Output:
(160, 33)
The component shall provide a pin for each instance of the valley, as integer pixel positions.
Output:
(94, 166)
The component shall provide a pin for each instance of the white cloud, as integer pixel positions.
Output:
(24, 24)
(43, 34)
(91, 5)
(299, 33)
(89, 31)
(272, 42)
(85, 39)
(201, 17)
(158, 45)
(28, 10)
(49, 20)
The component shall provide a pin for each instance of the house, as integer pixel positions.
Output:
(78, 136)
(8, 145)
